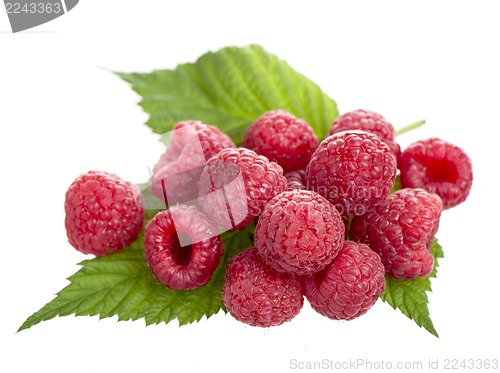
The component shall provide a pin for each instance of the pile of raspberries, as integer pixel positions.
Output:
(327, 226)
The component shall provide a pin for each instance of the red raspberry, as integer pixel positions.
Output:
(103, 213)
(352, 169)
(295, 179)
(258, 295)
(191, 144)
(368, 121)
(237, 184)
(438, 167)
(350, 286)
(283, 138)
(400, 230)
(182, 248)
(299, 232)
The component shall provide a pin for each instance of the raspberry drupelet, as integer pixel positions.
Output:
(354, 170)
(103, 213)
(400, 230)
(299, 232)
(438, 167)
(236, 185)
(283, 138)
(182, 247)
(350, 286)
(257, 294)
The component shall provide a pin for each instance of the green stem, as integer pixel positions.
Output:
(410, 127)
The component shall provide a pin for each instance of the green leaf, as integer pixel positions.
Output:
(410, 297)
(122, 284)
(230, 88)
(152, 204)
(397, 185)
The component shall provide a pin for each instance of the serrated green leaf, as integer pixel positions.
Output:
(230, 88)
(410, 297)
(121, 284)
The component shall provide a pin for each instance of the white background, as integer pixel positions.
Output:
(62, 112)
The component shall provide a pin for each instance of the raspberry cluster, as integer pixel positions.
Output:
(327, 225)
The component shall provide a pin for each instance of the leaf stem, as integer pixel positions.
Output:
(410, 127)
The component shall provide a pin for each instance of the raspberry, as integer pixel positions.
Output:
(352, 169)
(237, 184)
(350, 286)
(182, 248)
(400, 230)
(180, 167)
(299, 232)
(283, 138)
(295, 179)
(368, 121)
(438, 167)
(258, 295)
(103, 213)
